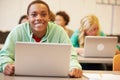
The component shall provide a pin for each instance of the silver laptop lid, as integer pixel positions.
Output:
(42, 59)
(100, 46)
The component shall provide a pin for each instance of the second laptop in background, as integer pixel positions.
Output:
(99, 46)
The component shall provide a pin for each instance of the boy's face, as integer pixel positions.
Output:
(38, 17)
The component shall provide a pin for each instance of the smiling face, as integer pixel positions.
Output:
(38, 16)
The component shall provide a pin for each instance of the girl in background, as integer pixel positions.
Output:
(89, 27)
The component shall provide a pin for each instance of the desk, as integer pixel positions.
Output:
(3, 77)
(105, 72)
(94, 60)
(102, 75)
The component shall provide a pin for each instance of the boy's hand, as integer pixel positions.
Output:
(9, 69)
(75, 73)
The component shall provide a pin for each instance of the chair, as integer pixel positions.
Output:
(3, 36)
(116, 63)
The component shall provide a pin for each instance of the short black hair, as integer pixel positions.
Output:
(64, 15)
(40, 2)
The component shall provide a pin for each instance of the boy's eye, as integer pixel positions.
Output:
(33, 15)
(43, 14)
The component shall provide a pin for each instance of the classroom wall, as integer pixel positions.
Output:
(11, 10)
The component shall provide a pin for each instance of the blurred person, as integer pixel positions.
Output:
(23, 18)
(89, 27)
(62, 19)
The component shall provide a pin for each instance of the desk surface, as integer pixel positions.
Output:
(3, 77)
(94, 60)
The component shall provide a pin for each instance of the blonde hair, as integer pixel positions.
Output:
(87, 23)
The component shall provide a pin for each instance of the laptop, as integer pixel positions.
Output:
(99, 46)
(42, 59)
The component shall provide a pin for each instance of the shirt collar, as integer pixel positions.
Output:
(44, 39)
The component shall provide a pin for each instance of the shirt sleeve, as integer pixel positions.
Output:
(74, 39)
(102, 33)
(74, 58)
(7, 52)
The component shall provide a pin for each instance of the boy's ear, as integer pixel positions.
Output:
(49, 18)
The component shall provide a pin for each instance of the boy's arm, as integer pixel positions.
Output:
(7, 52)
(73, 59)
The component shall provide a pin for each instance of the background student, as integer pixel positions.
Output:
(37, 29)
(89, 27)
(62, 19)
(23, 18)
